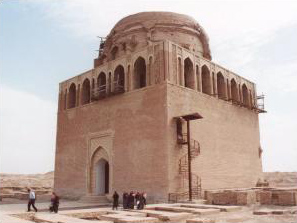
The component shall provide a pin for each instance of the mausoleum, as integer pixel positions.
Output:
(153, 95)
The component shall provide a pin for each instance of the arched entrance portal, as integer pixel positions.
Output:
(102, 177)
(100, 172)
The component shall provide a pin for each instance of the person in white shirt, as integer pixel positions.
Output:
(31, 201)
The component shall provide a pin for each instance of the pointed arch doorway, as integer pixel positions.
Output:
(99, 172)
(102, 177)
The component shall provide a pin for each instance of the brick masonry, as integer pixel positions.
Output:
(135, 132)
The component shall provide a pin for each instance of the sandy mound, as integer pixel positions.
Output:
(281, 179)
(27, 180)
(15, 185)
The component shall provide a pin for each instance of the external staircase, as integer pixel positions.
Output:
(184, 172)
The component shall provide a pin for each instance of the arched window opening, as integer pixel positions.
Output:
(119, 79)
(245, 96)
(189, 74)
(109, 82)
(60, 101)
(129, 78)
(114, 52)
(221, 86)
(101, 82)
(213, 81)
(234, 91)
(179, 70)
(197, 78)
(139, 78)
(65, 99)
(240, 93)
(72, 96)
(77, 95)
(228, 89)
(206, 81)
(150, 73)
(93, 83)
(86, 89)
(251, 99)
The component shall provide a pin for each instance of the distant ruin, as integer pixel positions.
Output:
(123, 124)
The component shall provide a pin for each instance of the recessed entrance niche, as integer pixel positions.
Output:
(102, 177)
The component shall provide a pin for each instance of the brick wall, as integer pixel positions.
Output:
(228, 136)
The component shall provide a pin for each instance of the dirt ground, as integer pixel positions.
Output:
(244, 215)
(10, 183)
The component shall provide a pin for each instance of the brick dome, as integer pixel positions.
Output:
(138, 30)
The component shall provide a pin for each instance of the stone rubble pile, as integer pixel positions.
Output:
(263, 196)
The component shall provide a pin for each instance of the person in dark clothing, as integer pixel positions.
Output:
(115, 201)
(139, 202)
(131, 200)
(144, 198)
(125, 200)
(32, 198)
(55, 201)
(137, 198)
(142, 202)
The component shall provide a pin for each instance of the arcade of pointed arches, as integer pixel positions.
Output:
(189, 75)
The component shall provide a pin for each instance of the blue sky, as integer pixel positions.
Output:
(43, 42)
(38, 52)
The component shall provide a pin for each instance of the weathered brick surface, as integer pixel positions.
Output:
(138, 135)
(246, 197)
(258, 195)
(286, 198)
(208, 196)
(220, 148)
(225, 198)
(265, 197)
(231, 197)
(136, 131)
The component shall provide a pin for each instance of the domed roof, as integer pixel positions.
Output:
(162, 22)
(150, 19)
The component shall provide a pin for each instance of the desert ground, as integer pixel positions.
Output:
(13, 187)
(27, 180)
(13, 208)
(12, 183)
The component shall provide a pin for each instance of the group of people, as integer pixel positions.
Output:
(130, 200)
(54, 206)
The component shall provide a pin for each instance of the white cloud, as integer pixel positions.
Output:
(223, 20)
(27, 132)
